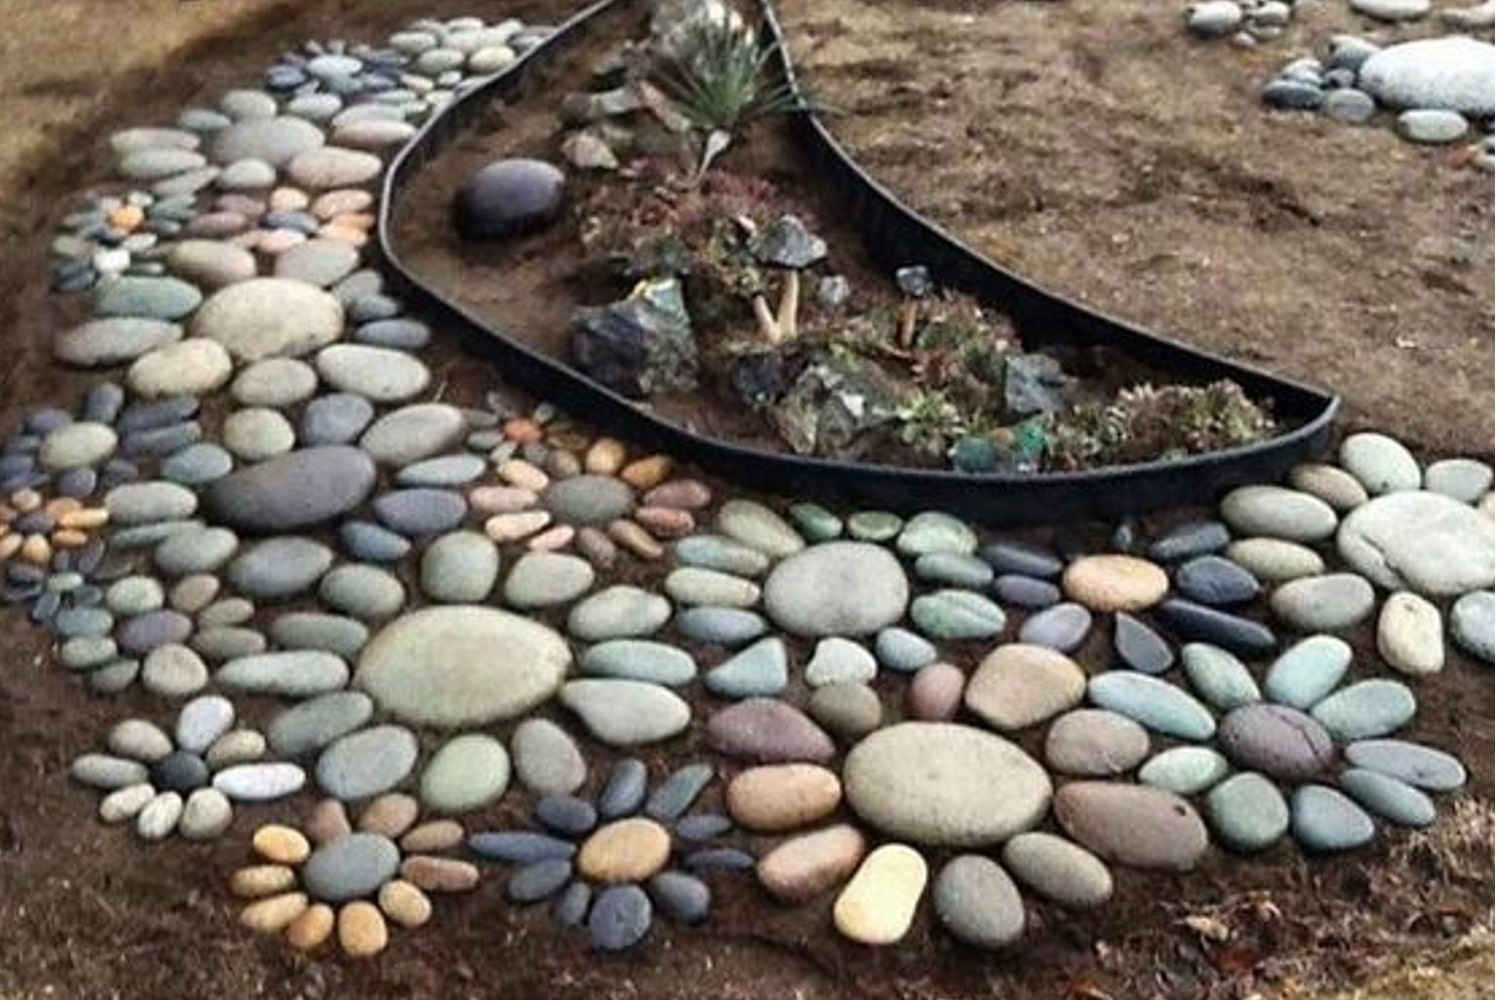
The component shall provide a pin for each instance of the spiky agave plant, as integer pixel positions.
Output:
(721, 82)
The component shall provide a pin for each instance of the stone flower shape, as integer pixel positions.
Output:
(350, 880)
(186, 781)
(615, 862)
(1303, 727)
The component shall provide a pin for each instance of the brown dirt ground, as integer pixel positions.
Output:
(83, 917)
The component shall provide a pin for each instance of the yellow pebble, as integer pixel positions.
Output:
(552, 539)
(126, 217)
(69, 539)
(25, 501)
(10, 545)
(85, 518)
(405, 903)
(362, 930)
(256, 881)
(58, 506)
(281, 844)
(514, 527)
(311, 929)
(644, 473)
(604, 457)
(519, 472)
(36, 549)
(273, 915)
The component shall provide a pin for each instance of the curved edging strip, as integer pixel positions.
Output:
(895, 235)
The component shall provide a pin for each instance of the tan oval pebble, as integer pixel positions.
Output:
(25, 501)
(405, 903)
(435, 835)
(344, 233)
(432, 874)
(783, 796)
(501, 499)
(1019, 685)
(67, 538)
(519, 472)
(1132, 824)
(287, 199)
(936, 692)
(329, 821)
(666, 522)
(340, 202)
(801, 868)
(1410, 634)
(309, 931)
(362, 930)
(562, 464)
(597, 547)
(273, 915)
(10, 545)
(1274, 560)
(635, 539)
(85, 518)
(390, 815)
(192, 594)
(278, 241)
(523, 431)
(362, 221)
(281, 844)
(255, 881)
(36, 549)
(1335, 487)
(646, 473)
(627, 850)
(125, 803)
(1115, 583)
(557, 537)
(61, 507)
(681, 494)
(878, 904)
(515, 527)
(604, 457)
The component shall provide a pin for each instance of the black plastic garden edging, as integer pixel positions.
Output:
(894, 236)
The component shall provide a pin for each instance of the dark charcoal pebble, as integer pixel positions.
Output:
(179, 771)
(338, 418)
(1216, 580)
(566, 814)
(620, 917)
(142, 634)
(1026, 591)
(1139, 647)
(704, 826)
(573, 905)
(680, 897)
(1195, 539)
(538, 881)
(103, 402)
(1078, 540)
(157, 414)
(1200, 623)
(1022, 558)
(520, 847)
(78, 483)
(419, 512)
(509, 198)
(624, 790)
(372, 543)
(1063, 627)
(676, 795)
(727, 859)
(161, 441)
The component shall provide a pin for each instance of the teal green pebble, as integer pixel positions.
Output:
(1366, 709)
(903, 651)
(933, 531)
(953, 569)
(955, 615)
(874, 526)
(1185, 771)
(468, 772)
(1247, 812)
(758, 671)
(816, 522)
(720, 553)
(1389, 798)
(1156, 704)
(1305, 674)
(640, 660)
(1219, 677)
(1325, 820)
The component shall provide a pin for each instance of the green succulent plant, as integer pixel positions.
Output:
(721, 80)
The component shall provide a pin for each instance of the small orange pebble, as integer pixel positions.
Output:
(519, 472)
(522, 431)
(247, 241)
(7, 513)
(273, 914)
(347, 235)
(85, 518)
(645, 473)
(256, 881)
(567, 439)
(362, 930)
(636, 539)
(68, 538)
(432, 874)
(126, 217)
(279, 241)
(434, 835)
(10, 545)
(501, 499)
(597, 547)
(405, 903)
(36, 549)
(666, 522)
(312, 928)
(354, 220)
(514, 527)
(683, 494)
(58, 506)
(329, 821)
(281, 844)
(25, 501)
(552, 539)
(389, 815)
(341, 202)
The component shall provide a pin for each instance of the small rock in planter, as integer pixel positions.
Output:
(1292, 95)
(508, 198)
(1214, 19)
(1034, 384)
(586, 151)
(640, 345)
(1431, 126)
(788, 243)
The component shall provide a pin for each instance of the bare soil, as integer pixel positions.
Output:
(85, 912)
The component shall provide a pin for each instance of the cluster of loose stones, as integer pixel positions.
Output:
(327, 572)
